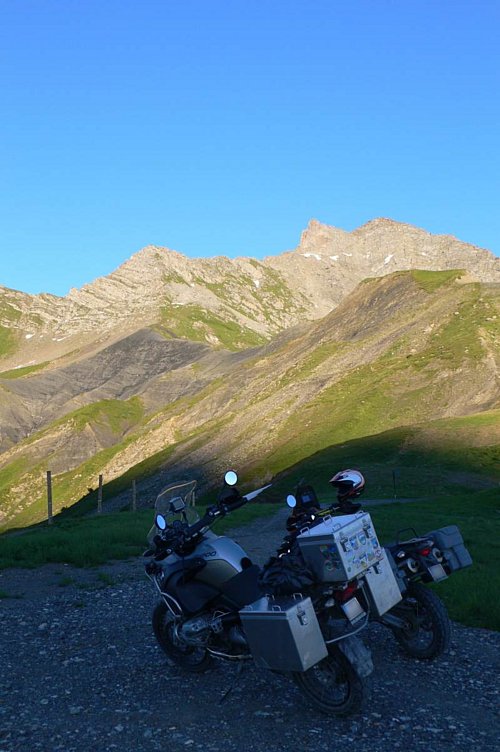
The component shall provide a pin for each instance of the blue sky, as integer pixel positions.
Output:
(221, 127)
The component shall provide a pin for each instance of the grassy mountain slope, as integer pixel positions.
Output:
(401, 352)
(426, 459)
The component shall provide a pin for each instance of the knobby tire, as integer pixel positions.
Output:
(429, 630)
(188, 657)
(332, 685)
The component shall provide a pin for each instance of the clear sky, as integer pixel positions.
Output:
(222, 126)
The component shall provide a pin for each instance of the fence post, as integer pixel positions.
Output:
(99, 496)
(395, 474)
(134, 497)
(49, 497)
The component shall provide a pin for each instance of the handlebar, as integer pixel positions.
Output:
(220, 510)
(182, 535)
(178, 538)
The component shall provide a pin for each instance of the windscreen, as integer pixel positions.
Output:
(176, 502)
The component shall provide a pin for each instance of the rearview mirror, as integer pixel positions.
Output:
(160, 522)
(231, 478)
(291, 501)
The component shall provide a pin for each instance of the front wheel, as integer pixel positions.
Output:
(188, 657)
(428, 629)
(332, 685)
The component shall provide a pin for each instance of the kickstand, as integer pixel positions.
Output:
(239, 670)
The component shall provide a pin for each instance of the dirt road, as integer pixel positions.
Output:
(81, 672)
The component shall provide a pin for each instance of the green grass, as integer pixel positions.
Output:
(8, 334)
(395, 390)
(195, 323)
(119, 415)
(71, 497)
(457, 339)
(65, 581)
(18, 373)
(7, 340)
(68, 487)
(9, 312)
(469, 594)
(11, 473)
(444, 456)
(173, 276)
(431, 281)
(272, 289)
(4, 594)
(92, 541)
(273, 285)
(88, 502)
(305, 367)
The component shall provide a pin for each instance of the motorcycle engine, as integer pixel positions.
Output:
(196, 631)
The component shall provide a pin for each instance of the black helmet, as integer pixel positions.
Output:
(349, 484)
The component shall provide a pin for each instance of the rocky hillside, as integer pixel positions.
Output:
(407, 348)
(228, 303)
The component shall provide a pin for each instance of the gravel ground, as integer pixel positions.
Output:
(80, 670)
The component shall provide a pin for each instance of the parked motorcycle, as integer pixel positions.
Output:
(214, 603)
(415, 614)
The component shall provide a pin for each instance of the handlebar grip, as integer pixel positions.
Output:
(206, 520)
(235, 504)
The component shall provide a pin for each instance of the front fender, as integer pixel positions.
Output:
(357, 654)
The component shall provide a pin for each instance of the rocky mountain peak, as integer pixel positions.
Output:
(399, 245)
(196, 298)
(320, 238)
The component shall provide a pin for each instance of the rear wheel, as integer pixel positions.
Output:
(332, 685)
(188, 657)
(428, 629)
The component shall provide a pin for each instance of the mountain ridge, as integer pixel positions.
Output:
(157, 286)
(173, 365)
(407, 347)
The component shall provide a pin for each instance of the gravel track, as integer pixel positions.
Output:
(81, 671)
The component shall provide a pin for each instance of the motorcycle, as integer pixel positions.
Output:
(417, 617)
(215, 604)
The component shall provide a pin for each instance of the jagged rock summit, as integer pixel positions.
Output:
(382, 246)
(233, 303)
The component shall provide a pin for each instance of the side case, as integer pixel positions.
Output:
(340, 548)
(283, 633)
(382, 587)
(451, 543)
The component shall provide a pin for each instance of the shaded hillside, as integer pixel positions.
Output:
(440, 457)
(119, 371)
(405, 349)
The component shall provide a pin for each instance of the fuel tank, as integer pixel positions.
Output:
(224, 559)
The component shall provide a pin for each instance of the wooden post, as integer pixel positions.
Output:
(99, 496)
(395, 474)
(134, 497)
(49, 497)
